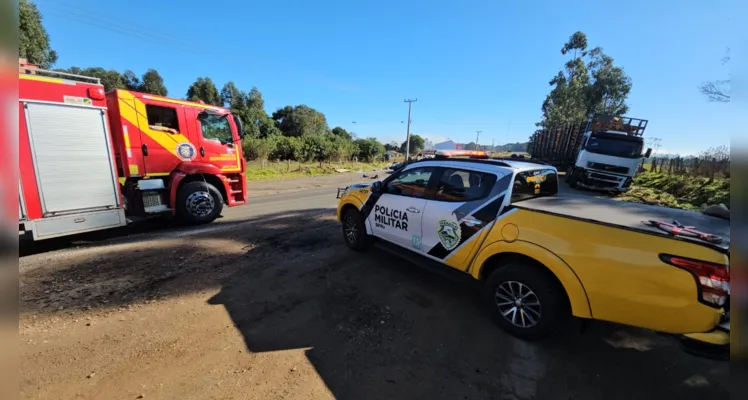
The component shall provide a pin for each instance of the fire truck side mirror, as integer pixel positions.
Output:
(648, 153)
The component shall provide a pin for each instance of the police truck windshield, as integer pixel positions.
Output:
(614, 147)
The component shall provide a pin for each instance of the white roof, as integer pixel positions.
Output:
(494, 166)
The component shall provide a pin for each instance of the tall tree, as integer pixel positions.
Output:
(300, 120)
(609, 88)
(581, 89)
(566, 102)
(132, 82)
(341, 133)
(204, 89)
(250, 107)
(110, 78)
(232, 97)
(369, 149)
(255, 100)
(33, 39)
(153, 83)
(718, 90)
(416, 145)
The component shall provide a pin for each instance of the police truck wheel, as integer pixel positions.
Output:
(354, 231)
(526, 301)
(199, 202)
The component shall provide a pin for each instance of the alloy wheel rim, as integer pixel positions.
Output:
(518, 304)
(351, 231)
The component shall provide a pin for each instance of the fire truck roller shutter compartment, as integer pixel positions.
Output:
(72, 158)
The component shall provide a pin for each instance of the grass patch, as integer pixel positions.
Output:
(678, 191)
(273, 170)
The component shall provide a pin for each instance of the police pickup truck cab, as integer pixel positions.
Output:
(540, 257)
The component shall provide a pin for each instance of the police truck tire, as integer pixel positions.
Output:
(198, 202)
(354, 230)
(526, 301)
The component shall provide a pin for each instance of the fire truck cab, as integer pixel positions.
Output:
(91, 160)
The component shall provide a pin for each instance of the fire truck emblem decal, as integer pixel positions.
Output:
(186, 151)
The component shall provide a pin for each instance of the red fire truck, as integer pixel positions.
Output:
(91, 160)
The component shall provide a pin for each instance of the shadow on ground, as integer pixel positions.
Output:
(376, 327)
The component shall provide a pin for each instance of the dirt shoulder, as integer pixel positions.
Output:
(279, 308)
(269, 187)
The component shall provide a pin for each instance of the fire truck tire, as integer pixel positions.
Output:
(198, 202)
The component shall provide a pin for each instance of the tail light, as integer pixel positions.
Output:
(712, 280)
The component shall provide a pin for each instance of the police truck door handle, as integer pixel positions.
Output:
(470, 221)
(413, 210)
(144, 148)
(202, 151)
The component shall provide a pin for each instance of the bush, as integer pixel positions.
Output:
(679, 191)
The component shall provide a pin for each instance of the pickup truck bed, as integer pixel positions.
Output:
(631, 216)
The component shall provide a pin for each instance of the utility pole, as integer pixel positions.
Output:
(477, 135)
(407, 138)
(656, 144)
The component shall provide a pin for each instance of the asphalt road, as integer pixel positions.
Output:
(268, 303)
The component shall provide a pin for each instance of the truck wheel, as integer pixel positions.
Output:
(199, 202)
(354, 231)
(572, 178)
(525, 301)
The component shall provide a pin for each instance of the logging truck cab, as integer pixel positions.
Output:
(91, 160)
(609, 155)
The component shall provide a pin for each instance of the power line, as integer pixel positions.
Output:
(407, 137)
(477, 135)
(126, 31)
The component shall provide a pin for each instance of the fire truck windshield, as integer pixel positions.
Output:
(614, 147)
(216, 127)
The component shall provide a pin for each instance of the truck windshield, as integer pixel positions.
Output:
(614, 147)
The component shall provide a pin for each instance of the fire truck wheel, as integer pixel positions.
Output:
(199, 202)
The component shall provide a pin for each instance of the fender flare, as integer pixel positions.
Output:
(580, 304)
(174, 179)
(197, 167)
(354, 202)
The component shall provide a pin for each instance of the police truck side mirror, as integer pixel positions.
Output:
(376, 187)
(648, 153)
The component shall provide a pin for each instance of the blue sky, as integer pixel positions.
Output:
(472, 65)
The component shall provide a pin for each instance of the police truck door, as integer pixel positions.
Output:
(459, 215)
(397, 214)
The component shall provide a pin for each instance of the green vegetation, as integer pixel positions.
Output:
(589, 84)
(33, 39)
(678, 191)
(258, 171)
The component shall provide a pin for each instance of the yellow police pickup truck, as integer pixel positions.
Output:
(541, 257)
